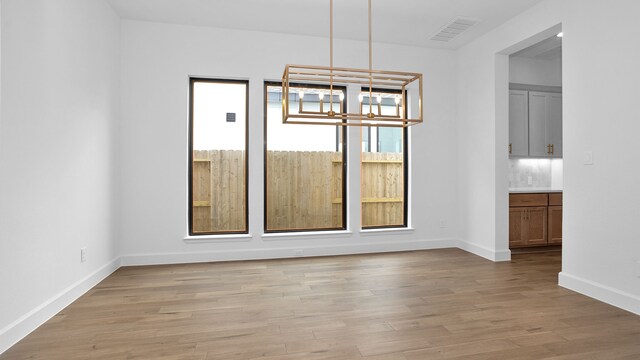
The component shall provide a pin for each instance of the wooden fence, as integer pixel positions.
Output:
(304, 190)
(218, 205)
(382, 189)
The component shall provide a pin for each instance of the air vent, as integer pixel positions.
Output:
(456, 27)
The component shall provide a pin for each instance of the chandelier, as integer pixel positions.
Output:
(374, 83)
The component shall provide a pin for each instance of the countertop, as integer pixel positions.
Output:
(531, 190)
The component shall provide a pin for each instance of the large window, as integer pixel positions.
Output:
(305, 165)
(218, 156)
(384, 164)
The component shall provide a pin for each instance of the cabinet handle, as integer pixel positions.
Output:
(551, 149)
(548, 149)
(510, 148)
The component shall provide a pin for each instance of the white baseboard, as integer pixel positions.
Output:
(600, 292)
(284, 252)
(27, 323)
(493, 255)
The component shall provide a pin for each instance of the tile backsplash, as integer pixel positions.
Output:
(543, 173)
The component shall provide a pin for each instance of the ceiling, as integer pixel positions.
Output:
(407, 22)
(548, 49)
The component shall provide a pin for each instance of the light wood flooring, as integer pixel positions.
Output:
(436, 304)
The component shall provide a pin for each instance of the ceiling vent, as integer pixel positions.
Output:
(454, 28)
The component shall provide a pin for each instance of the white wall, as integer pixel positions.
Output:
(60, 83)
(535, 71)
(600, 113)
(157, 60)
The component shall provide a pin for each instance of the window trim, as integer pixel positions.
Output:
(344, 162)
(405, 168)
(192, 81)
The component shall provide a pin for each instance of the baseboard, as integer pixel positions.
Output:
(600, 292)
(27, 323)
(284, 252)
(501, 255)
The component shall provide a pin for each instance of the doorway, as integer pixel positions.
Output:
(529, 106)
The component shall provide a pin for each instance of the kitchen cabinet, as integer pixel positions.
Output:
(554, 220)
(535, 124)
(527, 226)
(518, 123)
(535, 219)
(545, 124)
(528, 220)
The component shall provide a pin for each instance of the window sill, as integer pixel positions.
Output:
(305, 234)
(198, 239)
(383, 231)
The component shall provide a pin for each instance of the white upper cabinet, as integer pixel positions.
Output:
(518, 123)
(538, 114)
(545, 124)
(554, 134)
(535, 124)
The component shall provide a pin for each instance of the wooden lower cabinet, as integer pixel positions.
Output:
(535, 220)
(554, 224)
(527, 226)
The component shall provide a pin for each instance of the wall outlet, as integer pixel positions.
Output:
(530, 180)
(443, 224)
(298, 252)
(83, 254)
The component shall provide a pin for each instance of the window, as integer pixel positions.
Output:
(384, 165)
(305, 165)
(218, 156)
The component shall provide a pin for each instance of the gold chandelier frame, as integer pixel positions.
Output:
(405, 83)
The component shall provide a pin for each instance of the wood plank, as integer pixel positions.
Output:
(202, 203)
(528, 199)
(372, 200)
(555, 199)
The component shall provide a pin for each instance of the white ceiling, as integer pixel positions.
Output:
(408, 22)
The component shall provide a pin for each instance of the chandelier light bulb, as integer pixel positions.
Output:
(379, 99)
(321, 96)
(301, 94)
(397, 100)
(341, 96)
(360, 97)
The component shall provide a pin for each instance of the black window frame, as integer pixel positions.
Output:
(344, 143)
(405, 163)
(192, 81)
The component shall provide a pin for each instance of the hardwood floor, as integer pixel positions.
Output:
(436, 304)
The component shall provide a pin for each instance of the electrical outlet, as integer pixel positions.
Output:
(83, 254)
(530, 180)
(443, 224)
(298, 252)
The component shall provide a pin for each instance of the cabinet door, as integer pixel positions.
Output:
(545, 124)
(517, 224)
(536, 226)
(554, 124)
(518, 123)
(555, 225)
(538, 115)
